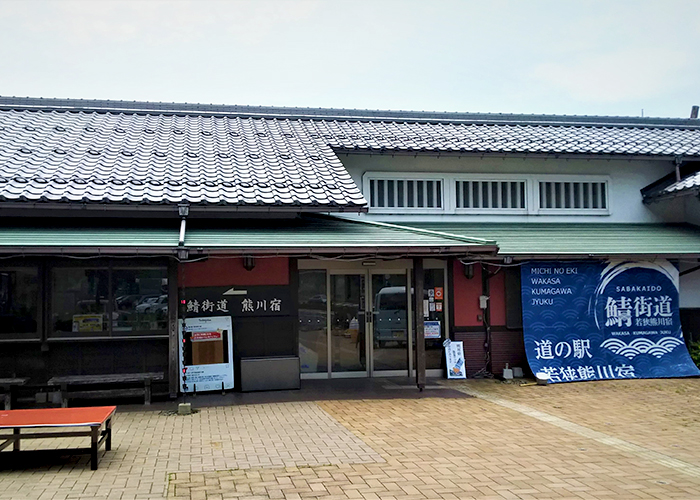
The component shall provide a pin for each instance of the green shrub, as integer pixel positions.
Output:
(694, 350)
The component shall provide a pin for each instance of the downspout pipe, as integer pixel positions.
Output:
(183, 212)
(678, 161)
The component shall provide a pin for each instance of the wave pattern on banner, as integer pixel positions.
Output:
(642, 346)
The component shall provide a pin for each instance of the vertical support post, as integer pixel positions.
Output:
(108, 439)
(418, 279)
(147, 392)
(173, 340)
(8, 397)
(15, 445)
(94, 440)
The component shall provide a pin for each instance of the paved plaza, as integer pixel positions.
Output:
(598, 440)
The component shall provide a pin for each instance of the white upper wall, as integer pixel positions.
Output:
(625, 179)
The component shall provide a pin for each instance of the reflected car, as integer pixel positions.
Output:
(146, 302)
(390, 316)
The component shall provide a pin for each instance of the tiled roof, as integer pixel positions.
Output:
(511, 138)
(687, 185)
(106, 157)
(141, 152)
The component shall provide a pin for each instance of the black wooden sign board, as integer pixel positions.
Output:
(238, 302)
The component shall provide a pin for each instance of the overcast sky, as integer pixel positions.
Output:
(608, 57)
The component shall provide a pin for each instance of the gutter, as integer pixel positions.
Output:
(116, 209)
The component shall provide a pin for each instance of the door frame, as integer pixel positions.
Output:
(370, 329)
(368, 268)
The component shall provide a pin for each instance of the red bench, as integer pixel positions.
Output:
(95, 418)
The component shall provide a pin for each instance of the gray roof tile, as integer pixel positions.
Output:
(111, 151)
(103, 157)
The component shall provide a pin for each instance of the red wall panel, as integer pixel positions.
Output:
(230, 271)
(497, 302)
(466, 297)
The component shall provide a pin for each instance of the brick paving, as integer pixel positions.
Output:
(602, 440)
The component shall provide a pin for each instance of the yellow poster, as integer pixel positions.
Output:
(87, 323)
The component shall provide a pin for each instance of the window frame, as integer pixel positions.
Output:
(454, 179)
(110, 266)
(37, 335)
(407, 176)
(449, 193)
(600, 179)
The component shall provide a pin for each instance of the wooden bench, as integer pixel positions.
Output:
(7, 385)
(143, 379)
(94, 418)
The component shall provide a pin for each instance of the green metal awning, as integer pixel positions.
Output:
(90, 237)
(581, 239)
(342, 236)
(312, 234)
(326, 234)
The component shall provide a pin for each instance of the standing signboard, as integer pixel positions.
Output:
(454, 357)
(593, 320)
(209, 360)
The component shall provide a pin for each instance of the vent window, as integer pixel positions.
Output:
(573, 195)
(492, 195)
(414, 193)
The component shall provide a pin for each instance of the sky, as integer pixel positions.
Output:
(611, 57)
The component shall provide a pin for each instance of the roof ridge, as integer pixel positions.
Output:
(343, 114)
(429, 232)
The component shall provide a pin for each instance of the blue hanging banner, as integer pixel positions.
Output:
(595, 320)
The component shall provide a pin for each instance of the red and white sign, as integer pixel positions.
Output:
(204, 336)
(439, 293)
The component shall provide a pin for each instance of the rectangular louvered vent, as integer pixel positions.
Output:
(490, 195)
(413, 193)
(573, 195)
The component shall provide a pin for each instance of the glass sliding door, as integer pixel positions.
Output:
(348, 340)
(313, 325)
(434, 320)
(435, 325)
(389, 323)
(355, 322)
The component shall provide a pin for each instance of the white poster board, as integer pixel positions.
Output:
(454, 356)
(209, 377)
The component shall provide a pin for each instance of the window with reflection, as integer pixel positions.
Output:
(313, 327)
(97, 302)
(80, 299)
(140, 300)
(19, 298)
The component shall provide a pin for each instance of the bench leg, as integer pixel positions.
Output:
(8, 400)
(147, 392)
(15, 445)
(108, 440)
(94, 437)
(64, 396)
